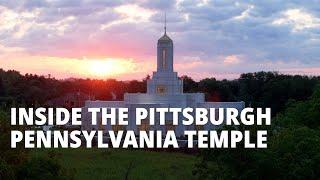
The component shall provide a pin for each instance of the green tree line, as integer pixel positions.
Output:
(259, 89)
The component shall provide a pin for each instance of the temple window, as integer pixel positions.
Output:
(164, 58)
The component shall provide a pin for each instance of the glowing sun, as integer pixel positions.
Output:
(108, 67)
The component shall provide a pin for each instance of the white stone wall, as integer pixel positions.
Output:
(169, 80)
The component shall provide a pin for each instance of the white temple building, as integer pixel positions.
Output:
(164, 89)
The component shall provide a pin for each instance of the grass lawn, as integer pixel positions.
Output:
(115, 164)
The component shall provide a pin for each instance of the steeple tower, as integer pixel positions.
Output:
(165, 51)
(165, 81)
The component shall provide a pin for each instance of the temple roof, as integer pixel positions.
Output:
(165, 37)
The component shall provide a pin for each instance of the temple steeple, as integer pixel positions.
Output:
(165, 51)
(164, 81)
(165, 23)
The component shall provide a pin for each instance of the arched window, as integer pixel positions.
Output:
(164, 58)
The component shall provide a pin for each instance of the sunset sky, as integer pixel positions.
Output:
(117, 39)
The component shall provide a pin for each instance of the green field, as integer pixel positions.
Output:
(117, 164)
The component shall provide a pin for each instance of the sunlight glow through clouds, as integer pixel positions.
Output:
(134, 12)
(232, 59)
(62, 68)
(131, 14)
(245, 13)
(4, 49)
(110, 67)
(299, 19)
(17, 22)
(20, 22)
(202, 3)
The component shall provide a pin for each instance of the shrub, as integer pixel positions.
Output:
(42, 168)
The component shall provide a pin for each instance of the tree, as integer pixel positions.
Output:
(6, 170)
(9, 155)
(42, 168)
(2, 88)
(189, 85)
(293, 149)
(301, 113)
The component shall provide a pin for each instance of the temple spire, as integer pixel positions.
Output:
(165, 23)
